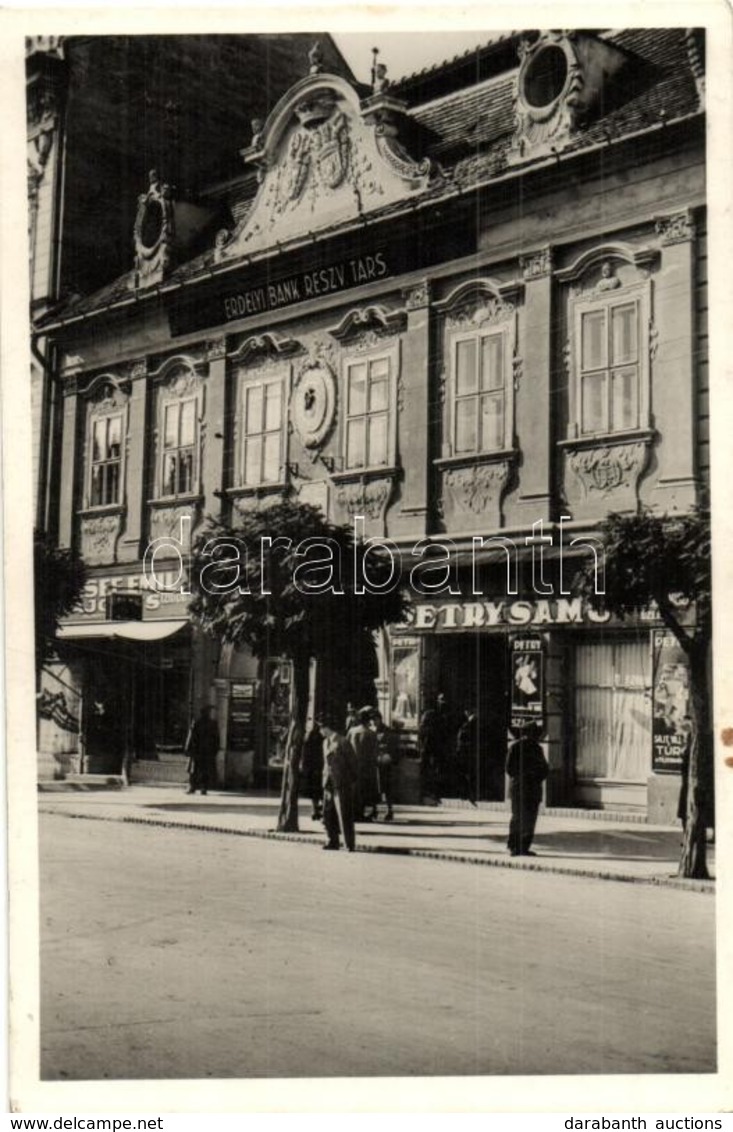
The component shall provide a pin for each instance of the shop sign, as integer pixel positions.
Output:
(261, 295)
(104, 593)
(528, 681)
(671, 719)
(463, 616)
(240, 732)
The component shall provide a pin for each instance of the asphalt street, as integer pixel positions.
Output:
(180, 953)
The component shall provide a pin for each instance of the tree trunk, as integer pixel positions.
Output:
(700, 800)
(287, 819)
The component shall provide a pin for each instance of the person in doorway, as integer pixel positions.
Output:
(467, 756)
(386, 761)
(339, 781)
(313, 769)
(202, 747)
(364, 741)
(527, 769)
(435, 741)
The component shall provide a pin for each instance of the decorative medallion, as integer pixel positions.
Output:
(677, 229)
(313, 404)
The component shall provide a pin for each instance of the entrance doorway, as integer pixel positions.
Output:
(471, 671)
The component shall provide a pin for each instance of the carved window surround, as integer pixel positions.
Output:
(106, 396)
(474, 311)
(255, 347)
(598, 291)
(375, 318)
(178, 380)
(368, 349)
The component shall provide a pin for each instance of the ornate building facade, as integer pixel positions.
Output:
(466, 310)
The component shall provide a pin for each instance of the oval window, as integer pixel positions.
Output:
(545, 77)
(152, 224)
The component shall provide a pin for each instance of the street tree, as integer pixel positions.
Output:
(664, 561)
(285, 581)
(59, 576)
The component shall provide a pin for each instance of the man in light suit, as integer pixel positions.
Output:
(340, 772)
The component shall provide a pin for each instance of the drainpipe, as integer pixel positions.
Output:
(46, 437)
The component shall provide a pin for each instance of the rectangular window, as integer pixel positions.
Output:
(609, 368)
(368, 413)
(179, 448)
(479, 401)
(262, 422)
(106, 461)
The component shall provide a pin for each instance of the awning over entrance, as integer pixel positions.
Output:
(123, 630)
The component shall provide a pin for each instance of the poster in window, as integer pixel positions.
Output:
(240, 732)
(528, 678)
(405, 685)
(671, 718)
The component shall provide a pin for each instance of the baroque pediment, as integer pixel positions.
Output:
(324, 157)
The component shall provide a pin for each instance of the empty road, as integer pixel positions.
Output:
(170, 953)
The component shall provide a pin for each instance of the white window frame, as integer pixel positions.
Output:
(640, 295)
(390, 354)
(168, 403)
(248, 379)
(95, 418)
(505, 330)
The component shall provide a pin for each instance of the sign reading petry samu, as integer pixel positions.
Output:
(467, 616)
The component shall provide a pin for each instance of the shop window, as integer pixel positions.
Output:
(613, 719)
(370, 413)
(178, 468)
(105, 475)
(262, 432)
(480, 411)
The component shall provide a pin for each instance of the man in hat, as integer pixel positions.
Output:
(201, 747)
(339, 780)
(364, 741)
(527, 769)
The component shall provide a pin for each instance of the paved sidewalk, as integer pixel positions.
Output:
(582, 846)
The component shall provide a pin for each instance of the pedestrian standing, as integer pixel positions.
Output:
(339, 781)
(386, 761)
(202, 746)
(527, 769)
(364, 742)
(467, 756)
(313, 769)
(435, 741)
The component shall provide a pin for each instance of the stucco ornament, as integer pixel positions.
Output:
(324, 157)
(313, 404)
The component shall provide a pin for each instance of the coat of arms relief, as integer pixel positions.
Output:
(324, 157)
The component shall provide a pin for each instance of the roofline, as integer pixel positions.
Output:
(411, 206)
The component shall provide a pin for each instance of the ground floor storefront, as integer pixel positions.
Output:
(610, 699)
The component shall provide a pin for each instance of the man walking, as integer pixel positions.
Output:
(339, 781)
(527, 769)
(201, 748)
(364, 742)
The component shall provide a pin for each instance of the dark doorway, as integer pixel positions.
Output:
(471, 673)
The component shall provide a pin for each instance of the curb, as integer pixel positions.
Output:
(689, 885)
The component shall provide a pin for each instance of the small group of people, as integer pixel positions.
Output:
(349, 772)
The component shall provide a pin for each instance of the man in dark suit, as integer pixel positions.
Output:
(527, 769)
(202, 747)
